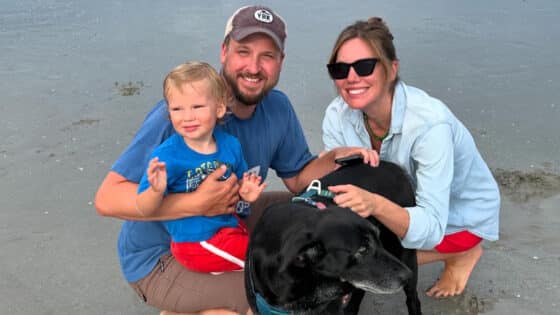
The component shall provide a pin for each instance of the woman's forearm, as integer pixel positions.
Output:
(393, 216)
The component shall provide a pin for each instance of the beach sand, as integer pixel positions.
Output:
(59, 257)
(78, 78)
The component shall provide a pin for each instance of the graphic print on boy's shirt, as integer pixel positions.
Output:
(197, 175)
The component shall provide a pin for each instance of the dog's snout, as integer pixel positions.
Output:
(404, 274)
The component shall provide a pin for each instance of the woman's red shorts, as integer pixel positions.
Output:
(458, 242)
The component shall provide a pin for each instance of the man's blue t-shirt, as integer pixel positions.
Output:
(271, 138)
(186, 169)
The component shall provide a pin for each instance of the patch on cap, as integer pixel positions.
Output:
(264, 16)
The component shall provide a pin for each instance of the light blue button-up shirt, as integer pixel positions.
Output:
(455, 190)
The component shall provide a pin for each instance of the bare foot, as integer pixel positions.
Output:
(456, 273)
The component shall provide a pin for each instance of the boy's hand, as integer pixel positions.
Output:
(251, 187)
(157, 175)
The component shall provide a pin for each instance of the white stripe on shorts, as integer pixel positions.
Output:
(227, 256)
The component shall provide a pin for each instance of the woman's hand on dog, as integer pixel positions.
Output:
(361, 201)
(371, 157)
(366, 204)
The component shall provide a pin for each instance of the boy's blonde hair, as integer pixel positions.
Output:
(192, 72)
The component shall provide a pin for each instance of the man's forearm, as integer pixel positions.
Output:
(116, 198)
(315, 169)
(148, 201)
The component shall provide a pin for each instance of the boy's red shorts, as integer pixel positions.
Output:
(200, 257)
(458, 242)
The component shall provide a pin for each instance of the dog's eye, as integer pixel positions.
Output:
(299, 260)
(362, 250)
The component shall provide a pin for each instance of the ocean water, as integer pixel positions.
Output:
(494, 63)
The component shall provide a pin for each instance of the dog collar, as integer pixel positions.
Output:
(314, 189)
(267, 309)
(262, 305)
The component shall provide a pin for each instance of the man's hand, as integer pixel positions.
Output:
(219, 196)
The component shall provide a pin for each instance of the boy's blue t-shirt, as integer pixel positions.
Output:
(186, 169)
(271, 138)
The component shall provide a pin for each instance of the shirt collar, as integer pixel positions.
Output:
(398, 108)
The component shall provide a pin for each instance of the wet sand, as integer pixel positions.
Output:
(518, 274)
(58, 257)
(78, 78)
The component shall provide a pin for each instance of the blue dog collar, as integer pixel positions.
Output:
(313, 190)
(267, 309)
(262, 306)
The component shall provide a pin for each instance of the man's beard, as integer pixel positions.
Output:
(242, 98)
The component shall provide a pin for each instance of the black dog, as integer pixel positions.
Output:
(302, 260)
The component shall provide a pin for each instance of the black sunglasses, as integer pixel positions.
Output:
(363, 67)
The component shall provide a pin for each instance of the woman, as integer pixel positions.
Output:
(457, 199)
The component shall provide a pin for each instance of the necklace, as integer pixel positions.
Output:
(372, 135)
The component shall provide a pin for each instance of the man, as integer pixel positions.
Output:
(266, 125)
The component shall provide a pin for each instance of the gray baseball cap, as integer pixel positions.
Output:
(253, 19)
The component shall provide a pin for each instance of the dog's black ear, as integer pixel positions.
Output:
(308, 255)
(300, 256)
